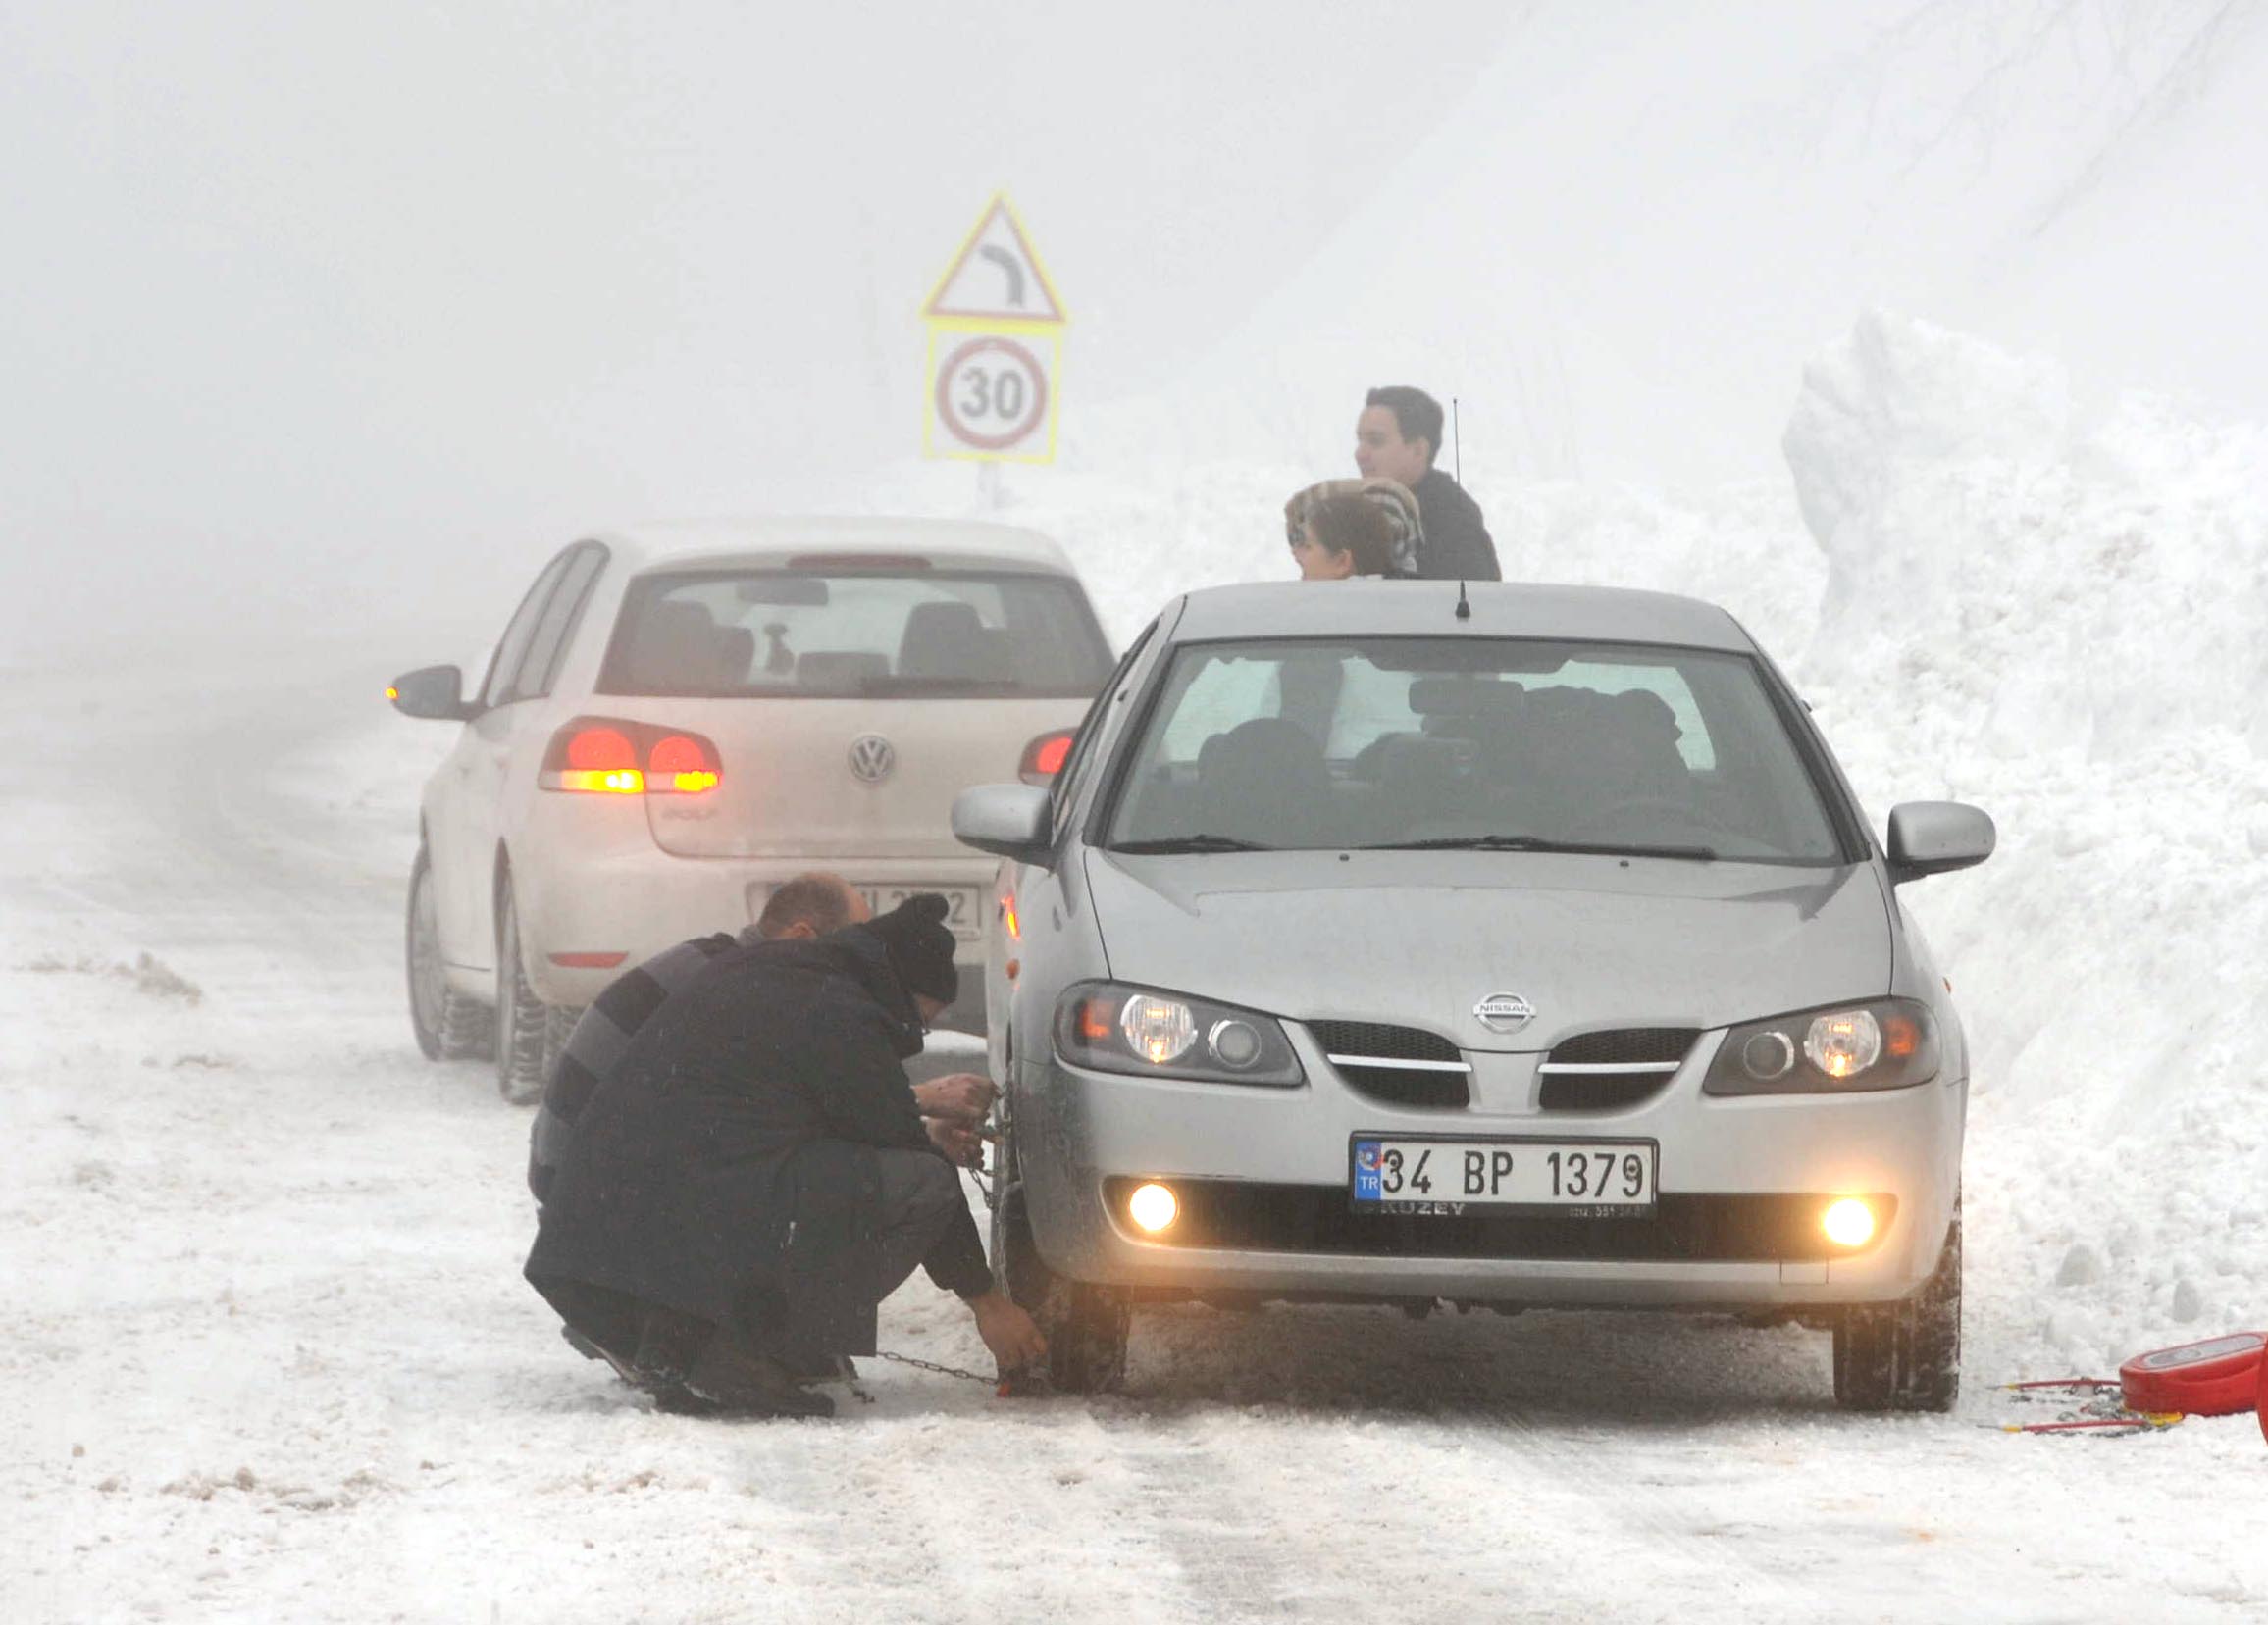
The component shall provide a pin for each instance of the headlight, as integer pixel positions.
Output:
(1887, 1044)
(1114, 1028)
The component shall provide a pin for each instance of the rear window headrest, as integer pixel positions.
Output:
(950, 641)
(1645, 712)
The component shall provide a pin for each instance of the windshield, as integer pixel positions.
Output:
(1498, 743)
(722, 634)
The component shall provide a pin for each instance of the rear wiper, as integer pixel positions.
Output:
(1193, 843)
(1537, 844)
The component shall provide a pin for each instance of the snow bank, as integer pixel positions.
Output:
(2058, 609)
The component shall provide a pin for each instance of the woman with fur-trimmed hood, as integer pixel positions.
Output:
(1390, 497)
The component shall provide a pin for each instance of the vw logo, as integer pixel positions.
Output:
(1504, 1012)
(872, 757)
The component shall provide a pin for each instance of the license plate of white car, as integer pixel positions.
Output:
(963, 911)
(965, 906)
(1450, 1177)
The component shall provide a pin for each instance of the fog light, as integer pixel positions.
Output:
(1153, 1207)
(1849, 1223)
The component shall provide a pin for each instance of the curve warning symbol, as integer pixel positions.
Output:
(996, 276)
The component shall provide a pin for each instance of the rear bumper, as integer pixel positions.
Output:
(637, 903)
(1740, 1182)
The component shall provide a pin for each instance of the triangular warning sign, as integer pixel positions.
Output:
(995, 275)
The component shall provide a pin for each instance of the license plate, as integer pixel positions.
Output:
(1572, 1179)
(965, 910)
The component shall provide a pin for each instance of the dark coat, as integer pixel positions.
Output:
(1456, 546)
(726, 1167)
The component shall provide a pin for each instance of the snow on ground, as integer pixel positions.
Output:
(272, 1357)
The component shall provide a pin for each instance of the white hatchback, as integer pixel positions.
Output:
(680, 717)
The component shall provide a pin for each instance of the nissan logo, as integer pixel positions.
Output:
(872, 757)
(1504, 1012)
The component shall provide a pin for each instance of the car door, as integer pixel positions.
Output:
(464, 846)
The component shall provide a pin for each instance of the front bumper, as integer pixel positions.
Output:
(1081, 1135)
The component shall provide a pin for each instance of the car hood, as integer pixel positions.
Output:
(1418, 939)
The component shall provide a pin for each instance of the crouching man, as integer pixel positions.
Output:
(754, 1177)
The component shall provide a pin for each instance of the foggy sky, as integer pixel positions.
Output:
(324, 315)
(338, 320)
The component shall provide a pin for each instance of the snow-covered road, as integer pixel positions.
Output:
(271, 1356)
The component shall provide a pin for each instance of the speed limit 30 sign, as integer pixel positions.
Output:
(992, 393)
(995, 349)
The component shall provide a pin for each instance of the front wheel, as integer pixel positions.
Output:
(1085, 1326)
(1905, 1356)
(449, 1027)
(529, 1031)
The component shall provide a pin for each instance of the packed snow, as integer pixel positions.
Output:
(273, 1358)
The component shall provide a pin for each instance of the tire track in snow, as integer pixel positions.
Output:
(1200, 1512)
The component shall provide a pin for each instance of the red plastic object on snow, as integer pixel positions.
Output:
(2217, 1377)
(2261, 1404)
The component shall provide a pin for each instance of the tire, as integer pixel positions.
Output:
(1085, 1326)
(1905, 1356)
(449, 1027)
(526, 1041)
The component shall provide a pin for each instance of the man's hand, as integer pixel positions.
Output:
(965, 1097)
(962, 1145)
(1016, 1343)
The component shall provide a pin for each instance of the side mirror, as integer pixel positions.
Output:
(434, 693)
(1009, 821)
(1936, 838)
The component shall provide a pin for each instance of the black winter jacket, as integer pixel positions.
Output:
(726, 1167)
(1456, 546)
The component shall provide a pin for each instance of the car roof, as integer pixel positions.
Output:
(1499, 609)
(680, 544)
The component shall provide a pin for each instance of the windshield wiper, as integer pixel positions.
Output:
(1193, 843)
(1537, 844)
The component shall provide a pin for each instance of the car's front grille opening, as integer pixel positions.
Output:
(1613, 1069)
(1405, 1066)
(1683, 1227)
(1626, 1046)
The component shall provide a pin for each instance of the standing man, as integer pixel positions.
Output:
(754, 1177)
(1398, 436)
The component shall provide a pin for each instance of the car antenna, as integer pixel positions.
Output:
(1464, 609)
(1456, 445)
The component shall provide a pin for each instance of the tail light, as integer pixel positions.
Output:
(1045, 757)
(601, 756)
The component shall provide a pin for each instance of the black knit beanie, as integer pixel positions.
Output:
(920, 946)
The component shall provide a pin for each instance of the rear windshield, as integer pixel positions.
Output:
(1470, 741)
(729, 633)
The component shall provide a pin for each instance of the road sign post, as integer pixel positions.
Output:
(992, 383)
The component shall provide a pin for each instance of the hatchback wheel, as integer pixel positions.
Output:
(529, 1033)
(1085, 1326)
(449, 1027)
(1906, 1356)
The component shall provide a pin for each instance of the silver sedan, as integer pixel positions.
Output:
(1390, 942)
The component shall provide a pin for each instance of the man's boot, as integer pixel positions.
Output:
(732, 1375)
(668, 1345)
(820, 1369)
